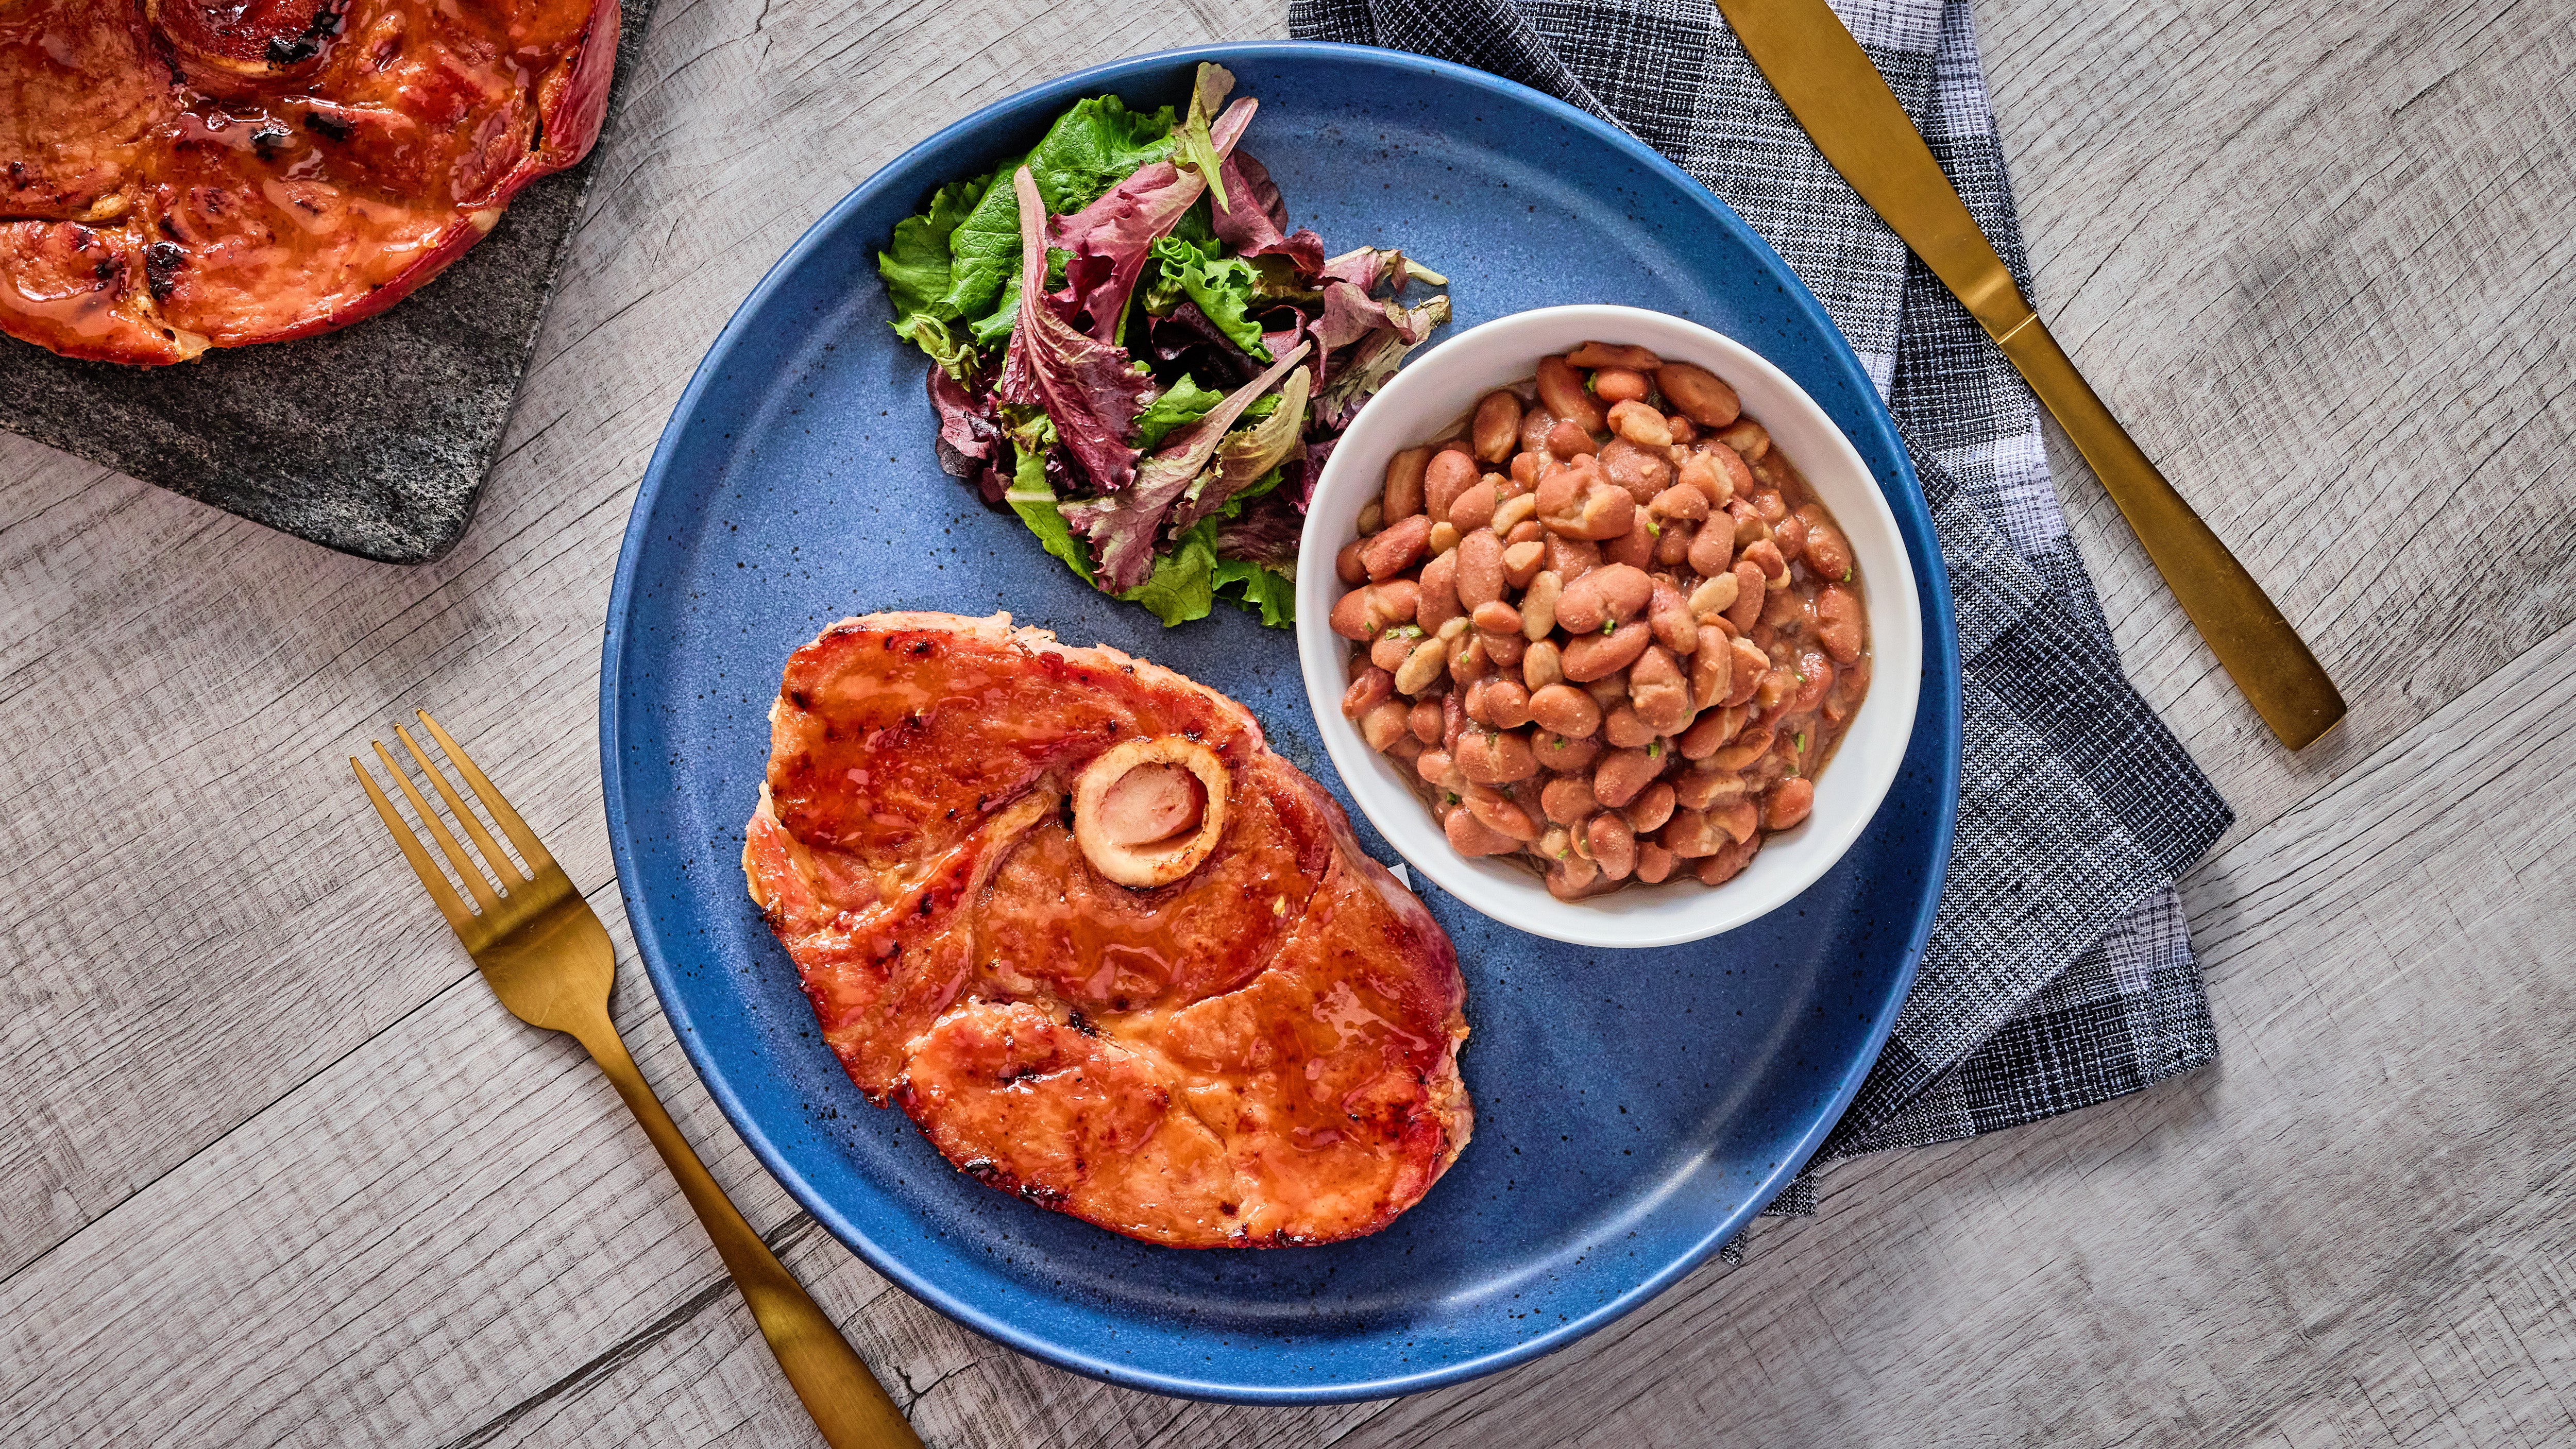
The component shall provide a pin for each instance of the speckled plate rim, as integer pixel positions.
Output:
(1940, 668)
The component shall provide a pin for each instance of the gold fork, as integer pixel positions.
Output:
(543, 952)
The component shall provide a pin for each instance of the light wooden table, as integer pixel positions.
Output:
(275, 1169)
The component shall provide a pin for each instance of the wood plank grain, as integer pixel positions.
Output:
(2322, 260)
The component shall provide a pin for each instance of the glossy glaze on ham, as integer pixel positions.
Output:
(184, 174)
(1262, 1052)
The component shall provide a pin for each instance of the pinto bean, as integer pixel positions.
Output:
(1402, 497)
(1700, 474)
(1653, 806)
(1389, 649)
(1471, 836)
(1623, 775)
(1672, 548)
(1449, 474)
(1572, 877)
(1765, 556)
(1699, 393)
(1691, 835)
(1425, 721)
(1623, 730)
(1535, 426)
(1710, 732)
(1747, 438)
(1504, 649)
(1816, 679)
(1436, 595)
(1681, 501)
(1701, 788)
(1740, 819)
(1829, 554)
(1521, 561)
(1712, 550)
(1643, 471)
(1372, 685)
(1540, 666)
(1561, 391)
(1444, 537)
(1497, 425)
(1715, 594)
(1571, 558)
(1746, 671)
(1347, 565)
(1566, 754)
(1387, 721)
(1562, 709)
(1613, 593)
(1398, 547)
(1480, 568)
(1614, 845)
(1513, 511)
(1682, 428)
(1787, 610)
(1641, 425)
(1712, 667)
(1474, 508)
(1727, 864)
(1495, 757)
(1499, 812)
(1436, 768)
(1749, 746)
(1657, 691)
(1365, 612)
(1636, 547)
(1670, 617)
(1468, 661)
(1791, 534)
(1616, 385)
(1568, 442)
(1839, 623)
(1746, 611)
(1594, 656)
(1567, 799)
(1614, 354)
(1654, 863)
(1790, 803)
(1501, 703)
(1423, 666)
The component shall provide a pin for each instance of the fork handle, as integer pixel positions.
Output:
(848, 1404)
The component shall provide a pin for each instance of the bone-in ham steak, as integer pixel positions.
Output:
(1069, 912)
(184, 174)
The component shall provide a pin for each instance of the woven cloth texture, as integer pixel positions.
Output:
(2059, 971)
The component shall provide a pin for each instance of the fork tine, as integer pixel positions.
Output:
(430, 877)
(530, 848)
(493, 855)
(464, 863)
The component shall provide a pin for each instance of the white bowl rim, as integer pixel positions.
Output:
(1852, 786)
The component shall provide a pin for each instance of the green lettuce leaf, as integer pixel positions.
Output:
(1258, 587)
(917, 264)
(1182, 585)
(1033, 499)
(1226, 289)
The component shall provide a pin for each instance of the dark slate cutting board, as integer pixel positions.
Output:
(373, 440)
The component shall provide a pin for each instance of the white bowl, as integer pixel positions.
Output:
(1437, 389)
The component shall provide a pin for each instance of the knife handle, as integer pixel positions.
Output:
(2261, 652)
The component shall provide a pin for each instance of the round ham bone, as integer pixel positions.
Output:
(1134, 801)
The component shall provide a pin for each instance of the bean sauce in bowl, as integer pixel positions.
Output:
(1607, 627)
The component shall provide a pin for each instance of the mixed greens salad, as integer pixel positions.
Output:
(1158, 417)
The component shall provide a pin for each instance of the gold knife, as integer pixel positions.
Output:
(1829, 85)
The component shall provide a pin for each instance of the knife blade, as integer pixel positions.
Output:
(1829, 85)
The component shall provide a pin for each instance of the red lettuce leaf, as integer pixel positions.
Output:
(1107, 241)
(971, 441)
(1091, 389)
(1122, 526)
(1253, 223)
(1265, 533)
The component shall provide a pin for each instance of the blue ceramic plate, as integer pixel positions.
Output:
(1633, 1109)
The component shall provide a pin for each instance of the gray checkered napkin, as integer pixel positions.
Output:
(2059, 972)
